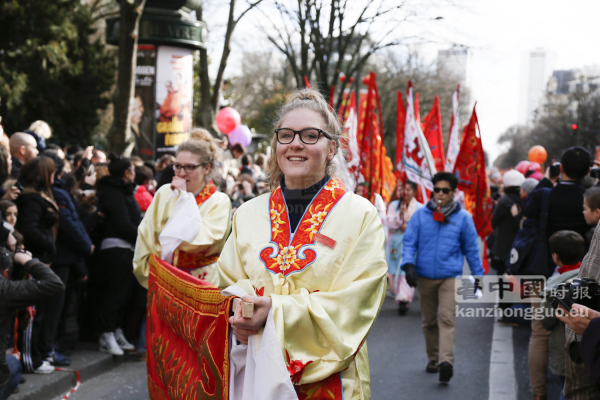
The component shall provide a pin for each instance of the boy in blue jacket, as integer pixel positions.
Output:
(435, 242)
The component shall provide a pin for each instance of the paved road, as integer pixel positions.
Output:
(397, 358)
(127, 381)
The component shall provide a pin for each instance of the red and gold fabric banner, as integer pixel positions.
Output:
(472, 179)
(376, 167)
(187, 336)
(400, 121)
(418, 111)
(433, 133)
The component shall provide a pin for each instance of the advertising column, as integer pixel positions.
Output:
(142, 107)
(174, 88)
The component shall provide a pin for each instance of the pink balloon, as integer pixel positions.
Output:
(227, 120)
(536, 175)
(523, 166)
(241, 135)
(535, 167)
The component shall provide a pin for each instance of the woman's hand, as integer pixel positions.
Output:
(12, 194)
(178, 183)
(514, 210)
(578, 318)
(244, 327)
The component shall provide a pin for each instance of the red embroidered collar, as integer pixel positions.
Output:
(288, 253)
(208, 190)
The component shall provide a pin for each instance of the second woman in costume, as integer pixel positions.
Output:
(194, 163)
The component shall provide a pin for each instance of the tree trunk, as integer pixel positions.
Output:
(120, 138)
(207, 112)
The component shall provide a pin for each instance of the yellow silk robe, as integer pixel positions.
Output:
(215, 227)
(323, 311)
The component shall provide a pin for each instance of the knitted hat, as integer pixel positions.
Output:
(513, 178)
(529, 184)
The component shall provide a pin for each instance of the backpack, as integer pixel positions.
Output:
(530, 253)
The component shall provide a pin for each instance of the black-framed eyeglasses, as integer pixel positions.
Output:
(443, 190)
(307, 135)
(189, 168)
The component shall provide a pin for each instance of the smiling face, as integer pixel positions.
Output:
(195, 180)
(303, 165)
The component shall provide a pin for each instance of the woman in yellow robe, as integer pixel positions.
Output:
(312, 253)
(195, 160)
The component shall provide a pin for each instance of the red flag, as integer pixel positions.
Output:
(376, 168)
(349, 142)
(433, 134)
(331, 93)
(400, 120)
(306, 82)
(453, 137)
(417, 111)
(416, 156)
(472, 179)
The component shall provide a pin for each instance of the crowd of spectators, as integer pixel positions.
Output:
(69, 220)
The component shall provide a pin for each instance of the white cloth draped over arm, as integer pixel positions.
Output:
(258, 371)
(183, 224)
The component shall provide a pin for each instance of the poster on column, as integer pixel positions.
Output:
(174, 86)
(142, 119)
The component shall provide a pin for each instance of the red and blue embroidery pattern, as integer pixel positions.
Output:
(287, 253)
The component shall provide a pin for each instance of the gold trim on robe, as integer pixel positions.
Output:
(326, 281)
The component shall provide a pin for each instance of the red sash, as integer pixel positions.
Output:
(187, 336)
(289, 253)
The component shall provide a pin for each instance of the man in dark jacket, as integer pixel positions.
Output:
(565, 212)
(14, 294)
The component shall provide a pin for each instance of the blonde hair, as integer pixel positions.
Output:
(203, 134)
(41, 128)
(311, 100)
(207, 151)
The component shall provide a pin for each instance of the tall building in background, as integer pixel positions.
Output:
(536, 69)
(458, 61)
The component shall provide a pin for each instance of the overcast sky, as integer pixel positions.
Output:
(499, 33)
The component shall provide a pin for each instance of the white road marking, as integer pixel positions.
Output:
(503, 382)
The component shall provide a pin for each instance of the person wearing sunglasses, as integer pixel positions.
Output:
(310, 254)
(437, 239)
(194, 217)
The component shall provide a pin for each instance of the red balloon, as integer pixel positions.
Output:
(228, 119)
(523, 166)
(534, 166)
(537, 154)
